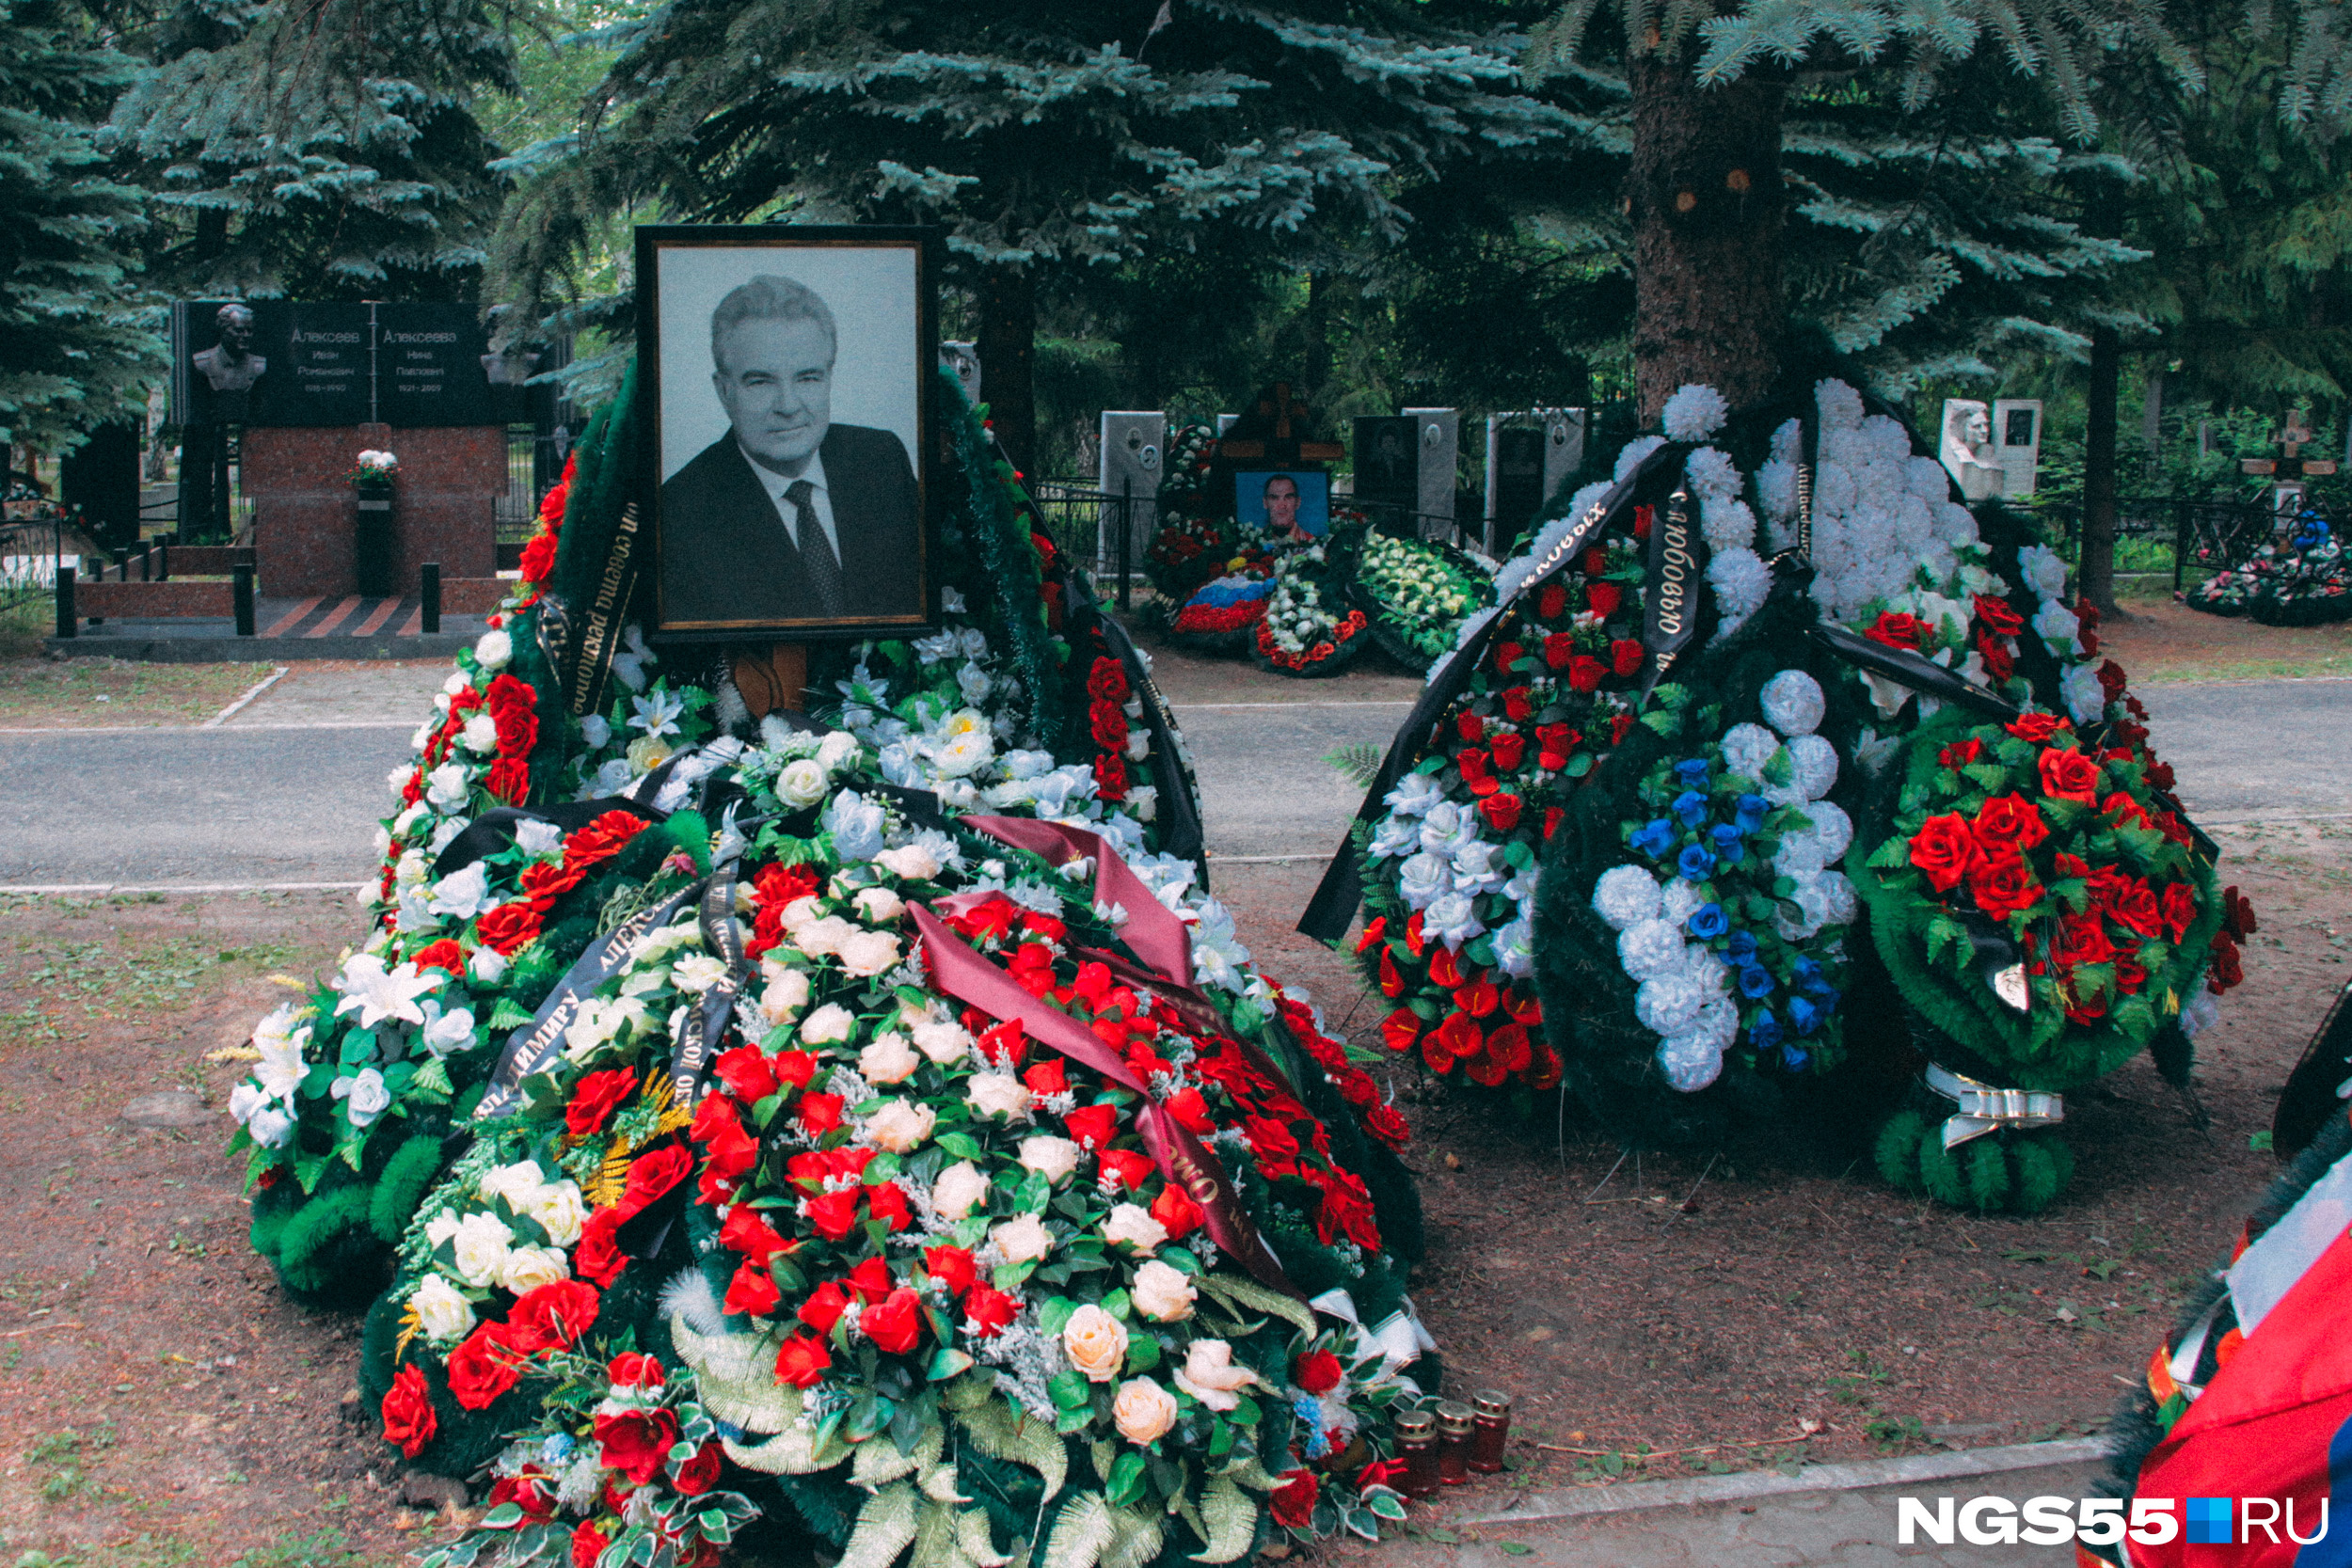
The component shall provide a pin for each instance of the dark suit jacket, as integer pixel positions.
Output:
(727, 556)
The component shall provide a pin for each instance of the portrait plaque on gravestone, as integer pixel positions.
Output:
(429, 366)
(1387, 467)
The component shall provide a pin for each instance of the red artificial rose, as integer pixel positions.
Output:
(752, 1292)
(1897, 630)
(746, 1073)
(2011, 820)
(1501, 810)
(539, 556)
(1292, 1503)
(2179, 908)
(1624, 655)
(833, 1215)
(1507, 656)
(819, 1114)
(487, 1364)
(2069, 775)
(509, 779)
(952, 1266)
(988, 1311)
(1585, 673)
(1942, 848)
(507, 927)
(1596, 561)
(896, 1324)
(824, 1305)
(1092, 1126)
(1108, 724)
(2129, 975)
(1602, 598)
(2160, 776)
(2083, 939)
(602, 838)
(2113, 679)
(1176, 1211)
(1551, 601)
(2002, 883)
(1507, 749)
(699, 1474)
(2239, 919)
(1107, 682)
(599, 1257)
(553, 1316)
(545, 881)
(1999, 663)
(1559, 648)
(1126, 1166)
(2123, 811)
(2227, 970)
(588, 1545)
(1470, 726)
(636, 1442)
(1384, 1123)
(871, 1280)
(1998, 615)
(888, 1203)
(1190, 1111)
(782, 885)
(747, 1231)
(2036, 727)
(634, 1370)
(2134, 906)
(443, 953)
(653, 1174)
(528, 1493)
(408, 1420)
(1317, 1371)
(1959, 753)
(593, 1099)
(1110, 776)
(1049, 1077)
(1519, 705)
(802, 1360)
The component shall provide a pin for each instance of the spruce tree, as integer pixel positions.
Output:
(75, 344)
(1049, 137)
(321, 151)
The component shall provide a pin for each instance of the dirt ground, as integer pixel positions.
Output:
(42, 693)
(161, 1403)
(2158, 641)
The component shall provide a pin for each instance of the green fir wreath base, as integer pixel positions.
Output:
(2003, 1172)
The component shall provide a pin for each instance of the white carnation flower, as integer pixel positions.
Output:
(1651, 950)
(1747, 748)
(1690, 1063)
(1712, 475)
(1741, 582)
(1776, 487)
(1813, 766)
(1625, 896)
(1793, 703)
(1694, 412)
(1726, 523)
(1634, 451)
(1670, 1003)
(1840, 405)
(1831, 827)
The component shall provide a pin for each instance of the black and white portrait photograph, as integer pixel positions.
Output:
(793, 388)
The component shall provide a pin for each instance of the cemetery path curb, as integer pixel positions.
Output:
(1545, 1506)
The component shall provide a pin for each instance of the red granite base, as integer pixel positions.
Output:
(305, 509)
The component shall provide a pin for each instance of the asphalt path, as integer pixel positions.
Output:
(262, 802)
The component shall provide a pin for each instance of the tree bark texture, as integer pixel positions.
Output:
(1007, 349)
(2095, 576)
(1705, 196)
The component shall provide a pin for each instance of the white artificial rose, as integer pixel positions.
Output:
(820, 938)
(909, 862)
(878, 906)
(1143, 1412)
(1162, 1292)
(1210, 1376)
(478, 1247)
(801, 782)
(442, 1310)
(1049, 1156)
(995, 1093)
(868, 953)
(445, 786)
(1022, 1239)
(900, 1125)
(697, 973)
(481, 734)
(960, 1188)
(888, 1060)
(365, 1097)
(942, 1042)
(828, 1025)
(1133, 1223)
(527, 1268)
(838, 748)
(494, 649)
(1095, 1343)
(519, 1184)
(486, 966)
(786, 994)
(560, 1212)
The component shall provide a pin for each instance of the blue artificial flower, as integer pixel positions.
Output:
(1695, 863)
(1795, 1056)
(1309, 1416)
(1804, 971)
(1751, 814)
(1708, 922)
(1742, 946)
(1755, 981)
(1806, 1014)
(1765, 1032)
(1691, 773)
(1692, 807)
(1726, 841)
(1656, 839)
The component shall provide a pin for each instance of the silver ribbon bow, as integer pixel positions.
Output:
(1985, 1109)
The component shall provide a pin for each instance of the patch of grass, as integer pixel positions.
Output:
(58, 983)
(41, 693)
(67, 1456)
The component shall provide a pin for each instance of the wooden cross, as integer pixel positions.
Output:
(2295, 436)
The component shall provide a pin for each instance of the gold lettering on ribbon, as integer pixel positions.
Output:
(545, 1037)
(598, 636)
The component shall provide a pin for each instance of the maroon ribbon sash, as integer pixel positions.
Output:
(965, 975)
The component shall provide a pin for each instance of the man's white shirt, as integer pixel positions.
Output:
(821, 503)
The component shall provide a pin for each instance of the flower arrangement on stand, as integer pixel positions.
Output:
(2303, 585)
(1418, 592)
(1308, 627)
(1223, 616)
(373, 473)
(853, 1117)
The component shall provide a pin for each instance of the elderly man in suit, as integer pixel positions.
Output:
(788, 517)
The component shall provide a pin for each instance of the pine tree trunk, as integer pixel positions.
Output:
(1705, 196)
(1007, 349)
(2095, 574)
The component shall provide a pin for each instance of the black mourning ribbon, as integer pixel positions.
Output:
(1343, 886)
(493, 830)
(1915, 669)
